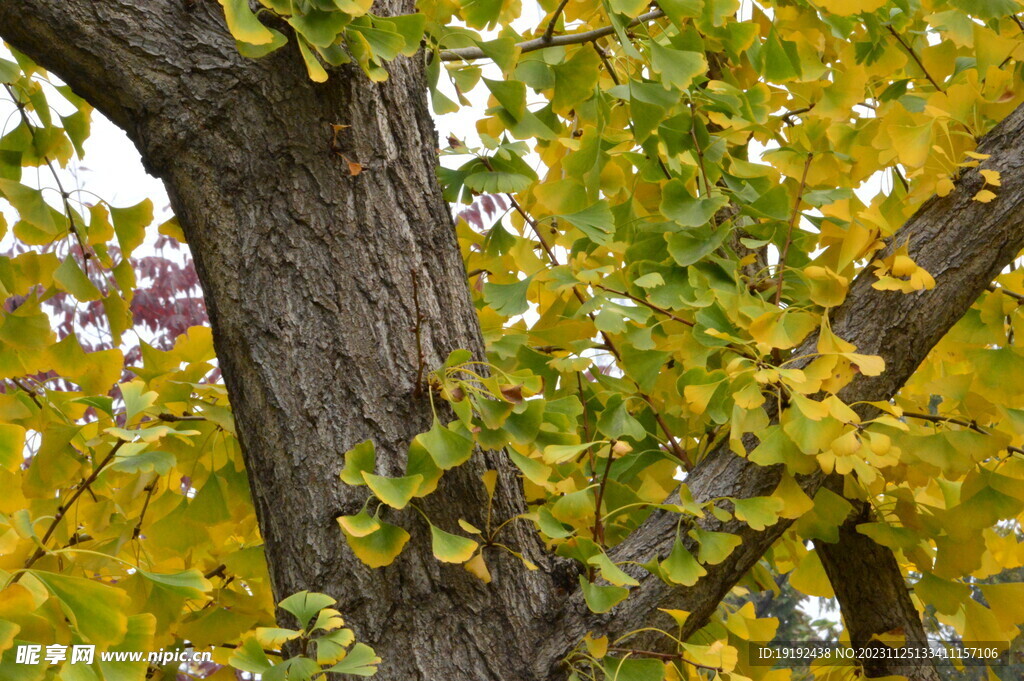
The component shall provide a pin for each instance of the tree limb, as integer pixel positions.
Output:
(873, 594)
(964, 244)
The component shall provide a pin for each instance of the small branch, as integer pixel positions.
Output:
(216, 572)
(914, 56)
(598, 527)
(789, 234)
(665, 656)
(24, 388)
(607, 64)
(137, 532)
(700, 157)
(550, 30)
(646, 303)
(1006, 292)
(793, 113)
(471, 53)
(935, 418)
(533, 225)
(65, 197)
(64, 508)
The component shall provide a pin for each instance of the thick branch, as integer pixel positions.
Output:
(873, 594)
(964, 244)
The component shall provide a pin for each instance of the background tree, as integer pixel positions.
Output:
(702, 288)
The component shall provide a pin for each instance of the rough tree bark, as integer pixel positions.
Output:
(308, 276)
(872, 594)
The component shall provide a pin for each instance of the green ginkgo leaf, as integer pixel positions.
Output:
(446, 447)
(451, 548)
(715, 546)
(681, 567)
(395, 492)
(602, 598)
(305, 604)
(758, 512)
(360, 459)
(360, 661)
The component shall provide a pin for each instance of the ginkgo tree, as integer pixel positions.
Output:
(752, 311)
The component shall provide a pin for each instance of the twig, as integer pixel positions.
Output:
(789, 233)
(598, 527)
(24, 388)
(216, 572)
(470, 53)
(665, 656)
(607, 64)
(935, 418)
(64, 508)
(649, 304)
(700, 157)
(65, 197)
(533, 225)
(1005, 291)
(914, 56)
(137, 532)
(550, 30)
(792, 113)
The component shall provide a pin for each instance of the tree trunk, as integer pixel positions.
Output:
(313, 278)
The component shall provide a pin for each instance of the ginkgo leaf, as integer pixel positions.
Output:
(446, 447)
(596, 221)
(602, 598)
(715, 546)
(678, 68)
(758, 512)
(395, 492)
(96, 610)
(508, 300)
(555, 454)
(478, 568)
(611, 572)
(451, 548)
(359, 460)
(360, 524)
(249, 657)
(380, 547)
(305, 604)
(190, 583)
(12, 446)
(243, 24)
(360, 661)
(681, 567)
(332, 647)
